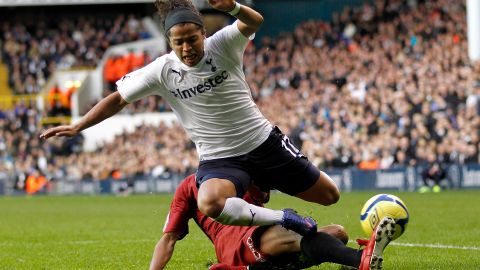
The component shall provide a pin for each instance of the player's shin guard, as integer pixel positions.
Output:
(323, 247)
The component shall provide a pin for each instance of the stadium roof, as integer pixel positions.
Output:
(12, 3)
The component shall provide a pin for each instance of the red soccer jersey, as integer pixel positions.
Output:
(184, 207)
(233, 244)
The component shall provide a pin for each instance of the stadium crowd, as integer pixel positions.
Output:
(34, 47)
(380, 86)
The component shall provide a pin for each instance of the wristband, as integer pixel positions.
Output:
(235, 10)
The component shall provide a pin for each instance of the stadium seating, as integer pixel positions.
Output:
(378, 87)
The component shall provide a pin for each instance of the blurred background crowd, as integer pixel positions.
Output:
(34, 47)
(383, 85)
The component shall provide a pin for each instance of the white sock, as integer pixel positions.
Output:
(238, 212)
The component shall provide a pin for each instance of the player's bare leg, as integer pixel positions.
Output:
(276, 240)
(324, 191)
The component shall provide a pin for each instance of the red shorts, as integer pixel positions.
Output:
(236, 245)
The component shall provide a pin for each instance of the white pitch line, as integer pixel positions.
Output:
(439, 246)
(434, 246)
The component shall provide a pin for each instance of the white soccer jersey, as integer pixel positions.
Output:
(212, 99)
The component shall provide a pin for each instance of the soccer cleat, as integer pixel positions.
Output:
(301, 225)
(372, 255)
(224, 266)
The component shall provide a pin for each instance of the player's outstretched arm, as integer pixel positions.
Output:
(163, 251)
(107, 107)
(249, 19)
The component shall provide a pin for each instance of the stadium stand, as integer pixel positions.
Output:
(381, 86)
(36, 43)
(32, 50)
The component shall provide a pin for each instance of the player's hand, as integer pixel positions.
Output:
(60, 131)
(222, 5)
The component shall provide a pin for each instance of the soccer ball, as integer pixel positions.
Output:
(384, 205)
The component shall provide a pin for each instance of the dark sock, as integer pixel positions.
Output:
(323, 247)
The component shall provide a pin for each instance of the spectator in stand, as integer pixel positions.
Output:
(35, 182)
(369, 161)
(433, 173)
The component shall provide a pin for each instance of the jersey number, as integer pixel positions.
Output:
(288, 145)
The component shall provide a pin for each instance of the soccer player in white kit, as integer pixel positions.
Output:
(203, 81)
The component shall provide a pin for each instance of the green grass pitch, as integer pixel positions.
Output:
(108, 232)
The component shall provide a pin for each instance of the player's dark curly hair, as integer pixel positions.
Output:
(165, 6)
